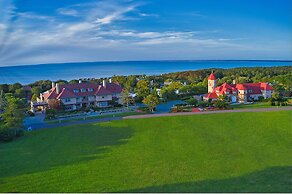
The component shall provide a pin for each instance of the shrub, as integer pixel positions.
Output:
(50, 114)
(192, 101)
(7, 134)
(272, 103)
(261, 99)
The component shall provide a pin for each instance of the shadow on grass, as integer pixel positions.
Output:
(56, 147)
(274, 179)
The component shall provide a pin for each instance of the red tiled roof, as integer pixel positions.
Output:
(90, 89)
(212, 95)
(212, 76)
(226, 88)
(66, 93)
(266, 86)
(102, 91)
(252, 88)
(53, 94)
(114, 87)
(240, 87)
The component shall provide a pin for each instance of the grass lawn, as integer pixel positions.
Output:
(254, 105)
(230, 152)
(123, 114)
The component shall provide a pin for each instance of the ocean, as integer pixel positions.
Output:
(68, 71)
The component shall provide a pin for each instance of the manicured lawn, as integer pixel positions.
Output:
(254, 105)
(231, 152)
(123, 114)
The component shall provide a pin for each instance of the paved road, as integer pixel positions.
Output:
(207, 112)
(37, 126)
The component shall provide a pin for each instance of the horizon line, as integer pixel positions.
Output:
(163, 60)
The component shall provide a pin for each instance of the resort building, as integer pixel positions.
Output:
(238, 92)
(76, 96)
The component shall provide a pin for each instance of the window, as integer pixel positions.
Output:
(90, 89)
(67, 99)
(75, 90)
(83, 90)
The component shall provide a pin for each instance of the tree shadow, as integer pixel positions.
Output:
(274, 179)
(52, 148)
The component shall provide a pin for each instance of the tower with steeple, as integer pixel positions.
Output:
(211, 82)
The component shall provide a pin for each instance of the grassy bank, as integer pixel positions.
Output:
(230, 152)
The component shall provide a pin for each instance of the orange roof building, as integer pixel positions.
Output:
(238, 92)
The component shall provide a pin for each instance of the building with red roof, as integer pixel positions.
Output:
(238, 92)
(82, 94)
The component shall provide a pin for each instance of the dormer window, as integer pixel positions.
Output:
(83, 90)
(75, 90)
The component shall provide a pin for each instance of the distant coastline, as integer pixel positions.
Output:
(26, 74)
(138, 61)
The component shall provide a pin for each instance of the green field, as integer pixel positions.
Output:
(254, 105)
(231, 152)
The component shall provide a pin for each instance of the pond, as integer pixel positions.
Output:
(164, 107)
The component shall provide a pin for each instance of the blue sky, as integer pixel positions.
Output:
(56, 31)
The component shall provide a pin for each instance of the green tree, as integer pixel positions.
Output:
(3, 101)
(175, 86)
(20, 93)
(13, 115)
(192, 101)
(14, 87)
(221, 102)
(143, 88)
(36, 90)
(131, 82)
(126, 97)
(35, 93)
(151, 101)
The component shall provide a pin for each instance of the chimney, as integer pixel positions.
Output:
(80, 81)
(234, 82)
(103, 83)
(53, 84)
(110, 80)
(57, 88)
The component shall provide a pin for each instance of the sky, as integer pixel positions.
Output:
(59, 31)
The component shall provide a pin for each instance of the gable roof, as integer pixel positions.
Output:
(252, 88)
(226, 88)
(82, 90)
(212, 95)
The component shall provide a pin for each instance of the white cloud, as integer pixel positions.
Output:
(68, 12)
(33, 16)
(117, 15)
(2, 26)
